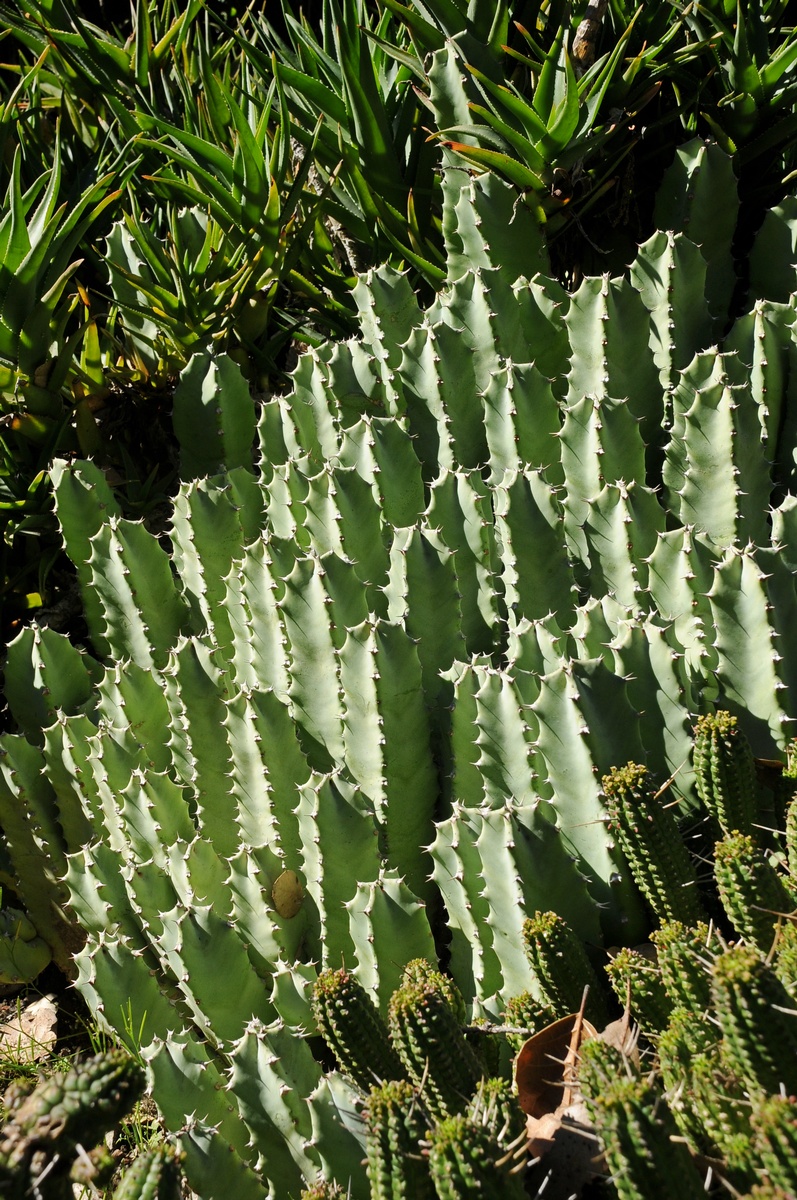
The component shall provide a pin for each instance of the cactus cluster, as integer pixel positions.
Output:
(375, 671)
(437, 1126)
(52, 1137)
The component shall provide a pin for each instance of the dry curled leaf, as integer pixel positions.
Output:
(541, 1062)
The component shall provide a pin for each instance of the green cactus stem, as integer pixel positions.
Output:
(561, 967)
(353, 1028)
(725, 772)
(79, 1107)
(420, 970)
(495, 1106)
(785, 960)
(322, 1190)
(637, 981)
(433, 1049)
(467, 1162)
(154, 1175)
(774, 1122)
(395, 1124)
(599, 1062)
(759, 1027)
(789, 787)
(752, 893)
(684, 957)
(706, 1100)
(649, 838)
(528, 1014)
(48, 1123)
(644, 1153)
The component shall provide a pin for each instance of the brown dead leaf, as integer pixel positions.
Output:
(30, 1035)
(624, 1036)
(542, 1062)
(568, 1149)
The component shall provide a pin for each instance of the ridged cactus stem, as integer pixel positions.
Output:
(432, 1047)
(466, 1162)
(525, 1012)
(707, 1103)
(725, 772)
(650, 840)
(561, 967)
(153, 1175)
(789, 782)
(774, 1122)
(419, 970)
(646, 1159)
(756, 1015)
(78, 1107)
(637, 981)
(48, 1123)
(395, 1124)
(752, 893)
(353, 1028)
(685, 956)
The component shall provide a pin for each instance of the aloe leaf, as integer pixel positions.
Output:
(366, 111)
(493, 160)
(549, 90)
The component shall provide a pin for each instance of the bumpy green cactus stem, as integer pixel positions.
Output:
(467, 1162)
(785, 960)
(752, 893)
(725, 772)
(352, 1027)
(154, 1175)
(649, 838)
(323, 1191)
(396, 1123)
(561, 967)
(774, 1121)
(432, 1047)
(646, 1159)
(684, 957)
(637, 980)
(528, 1013)
(790, 783)
(707, 1102)
(49, 1122)
(759, 1027)
(78, 1107)
(420, 970)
